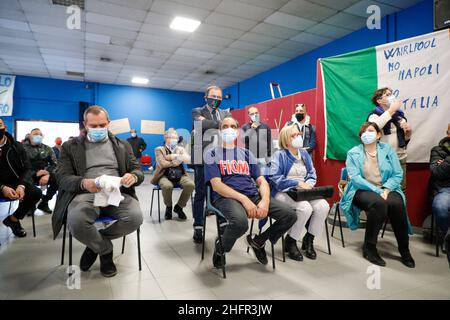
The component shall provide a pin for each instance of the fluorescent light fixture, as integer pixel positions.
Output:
(138, 80)
(184, 24)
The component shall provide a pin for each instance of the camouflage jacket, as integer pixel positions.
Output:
(41, 157)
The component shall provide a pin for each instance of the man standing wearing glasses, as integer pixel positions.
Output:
(206, 121)
(15, 180)
(257, 137)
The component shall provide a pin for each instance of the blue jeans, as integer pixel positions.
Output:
(441, 209)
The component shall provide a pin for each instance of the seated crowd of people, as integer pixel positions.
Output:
(248, 179)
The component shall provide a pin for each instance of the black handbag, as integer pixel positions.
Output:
(174, 174)
(298, 194)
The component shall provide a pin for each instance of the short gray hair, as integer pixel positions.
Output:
(95, 110)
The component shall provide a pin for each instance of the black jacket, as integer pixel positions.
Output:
(18, 162)
(72, 168)
(198, 145)
(138, 145)
(440, 174)
(261, 148)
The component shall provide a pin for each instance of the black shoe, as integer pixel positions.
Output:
(198, 235)
(218, 256)
(372, 255)
(407, 259)
(43, 206)
(168, 214)
(179, 210)
(87, 259)
(259, 251)
(308, 246)
(107, 266)
(290, 247)
(16, 227)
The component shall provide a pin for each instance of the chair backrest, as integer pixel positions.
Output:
(209, 205)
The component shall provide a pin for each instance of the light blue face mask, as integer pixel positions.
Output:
(255, 118)
(369, 137)
(173, 143)
(37, 139)
(97, 134)
(229, 135)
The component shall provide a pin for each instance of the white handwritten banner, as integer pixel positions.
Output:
(6, 94)
(417, 69)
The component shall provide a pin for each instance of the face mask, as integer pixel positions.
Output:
(229, 135)
(173, 143)
(213, 103)
(390, 99)
(97, 134)
(297, 143)
(369, 137)
(58, 142)
(299, 116)
(2, 133)
(37, 139)
(133, 135)
(255, 118)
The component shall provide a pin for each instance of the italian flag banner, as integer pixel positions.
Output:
(417, 69)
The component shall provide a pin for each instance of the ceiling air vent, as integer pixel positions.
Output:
(74, 73)
(68, 3)
(209, 72)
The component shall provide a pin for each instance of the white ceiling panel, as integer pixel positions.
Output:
(105, 20)
(114, 10)
(245, 45)
(177, 9)
(326, 30)
(239, 9)
(11, 4)
(240, 53)
(270, 4)
(57, 32)
(16, 34)
(274, 31)
(347, 21)
(283, 53)
(403, 4)
(111, 31)
(5, 41)
(204, 4)
(337, 5)
(136, 4)
(12, 15)
(209, 39)
(261, 39)
(163, 31)
(231, 21)
(201, 46)
(271, 58)
(194, 53)
(289, 21)
(224, 32)
(360, 8)
(308, 10)
(310, 38)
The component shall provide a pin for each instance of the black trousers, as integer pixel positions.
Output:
(52, 187)
(32, 196)
(237, 219)
(377, 210)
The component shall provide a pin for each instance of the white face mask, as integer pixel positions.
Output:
(390, 99)
(133, 135)
(297, 143)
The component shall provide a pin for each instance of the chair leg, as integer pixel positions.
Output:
(328, 237)
(138, 231)
(384, 228)
(340, 227)
(159, 209)
(334, 219)
(123, 244)
(432, 228)
(34, 225)
(204, 234)
(251, 231)
(282, 243)
(436, 232)
(272, 246)
(151, 203)
(63, 243)
(221, 246)
(70, 248)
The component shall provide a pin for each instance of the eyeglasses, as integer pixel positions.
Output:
(215, 97)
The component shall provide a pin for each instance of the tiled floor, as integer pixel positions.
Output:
(171, 268)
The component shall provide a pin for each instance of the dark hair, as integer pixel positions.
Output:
(378, 94)
(1, 119)
(221, 122)
(365, 125)
(35, 130)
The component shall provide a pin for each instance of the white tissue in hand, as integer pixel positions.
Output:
(109, 193)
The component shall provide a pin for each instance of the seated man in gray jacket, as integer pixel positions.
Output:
(83, 159)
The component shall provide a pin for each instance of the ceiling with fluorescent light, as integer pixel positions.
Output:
(236, 40)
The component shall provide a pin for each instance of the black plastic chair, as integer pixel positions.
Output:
(210, 208)
(100, 219)
(157, 188)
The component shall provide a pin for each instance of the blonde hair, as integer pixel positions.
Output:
(285, 135)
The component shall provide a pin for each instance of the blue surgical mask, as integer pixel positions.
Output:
(229, 135)
(255, 118)
(369, 137)
(173, 143)
(37, 139)
(97, 134)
